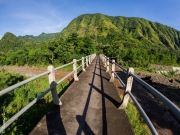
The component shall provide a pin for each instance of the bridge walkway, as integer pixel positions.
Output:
(89, 106)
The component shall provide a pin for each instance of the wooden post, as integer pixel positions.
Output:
(107, 66)
(128, 88)
(75, 70)
(53, 84)
(87, 61)
(83, 69)
(113, 69)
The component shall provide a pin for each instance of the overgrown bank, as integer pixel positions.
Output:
(15, 100)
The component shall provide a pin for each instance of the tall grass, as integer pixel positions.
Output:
(137, 122)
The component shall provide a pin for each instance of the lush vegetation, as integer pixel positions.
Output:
(54, 52)
(133, 41)
(15, 100)
(109, 30)
(42, 37)
(142, 56)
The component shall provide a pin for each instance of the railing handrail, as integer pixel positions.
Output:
(165, 100)
(6, 90)
(19, 113)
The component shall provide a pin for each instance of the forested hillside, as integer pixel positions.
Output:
(133, 41)
(109, 30)
(10, 42)
(42, 37)
(54, 52)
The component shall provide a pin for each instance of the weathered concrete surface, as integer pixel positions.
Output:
(88, 107)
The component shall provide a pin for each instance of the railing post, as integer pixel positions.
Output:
(53, 84)
(87, 61)
(107, 67)
(75, 70)
(105, 61)
(113, 69)
(83, 69)
(128, 88)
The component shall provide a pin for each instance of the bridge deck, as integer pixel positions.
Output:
(90, 106)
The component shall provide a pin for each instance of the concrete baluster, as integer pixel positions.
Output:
(87, 61)
(94, 56)
(53, 84)
(75, 70)
(107, 66)
(105, 61)
(83, 69)
(113, 69)
(128, 88)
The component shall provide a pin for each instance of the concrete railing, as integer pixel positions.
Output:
(128, 87)
(53, 83)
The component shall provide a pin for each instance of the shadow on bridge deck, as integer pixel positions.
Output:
(90, 106)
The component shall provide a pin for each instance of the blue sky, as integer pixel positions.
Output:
(32, 17)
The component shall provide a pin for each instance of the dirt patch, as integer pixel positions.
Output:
(161, 67)
(32, 71)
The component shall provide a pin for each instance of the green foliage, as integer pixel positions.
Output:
(116, 30)
(10, 42)
(41, 38)
(137, 122)
(141, 56)
(15, 100)
(133, 41)
(54, 52)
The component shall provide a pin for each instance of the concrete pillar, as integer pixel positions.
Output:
(113, 69)
(107, 66)
(53, 84)
(75, 70)
(83, 69)
(105, 61)
(128, 88)
(87, 61)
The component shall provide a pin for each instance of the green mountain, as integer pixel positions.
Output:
(41, 38)
(133, 41)
(113, 30)
(10, 42)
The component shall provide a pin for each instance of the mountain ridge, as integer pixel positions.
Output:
(107, 30)
(139, 29)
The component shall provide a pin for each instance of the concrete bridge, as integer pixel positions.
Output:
(89, 106)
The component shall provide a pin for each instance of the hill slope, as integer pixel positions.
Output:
(118, 30)
(41, 38)
(10, 42)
